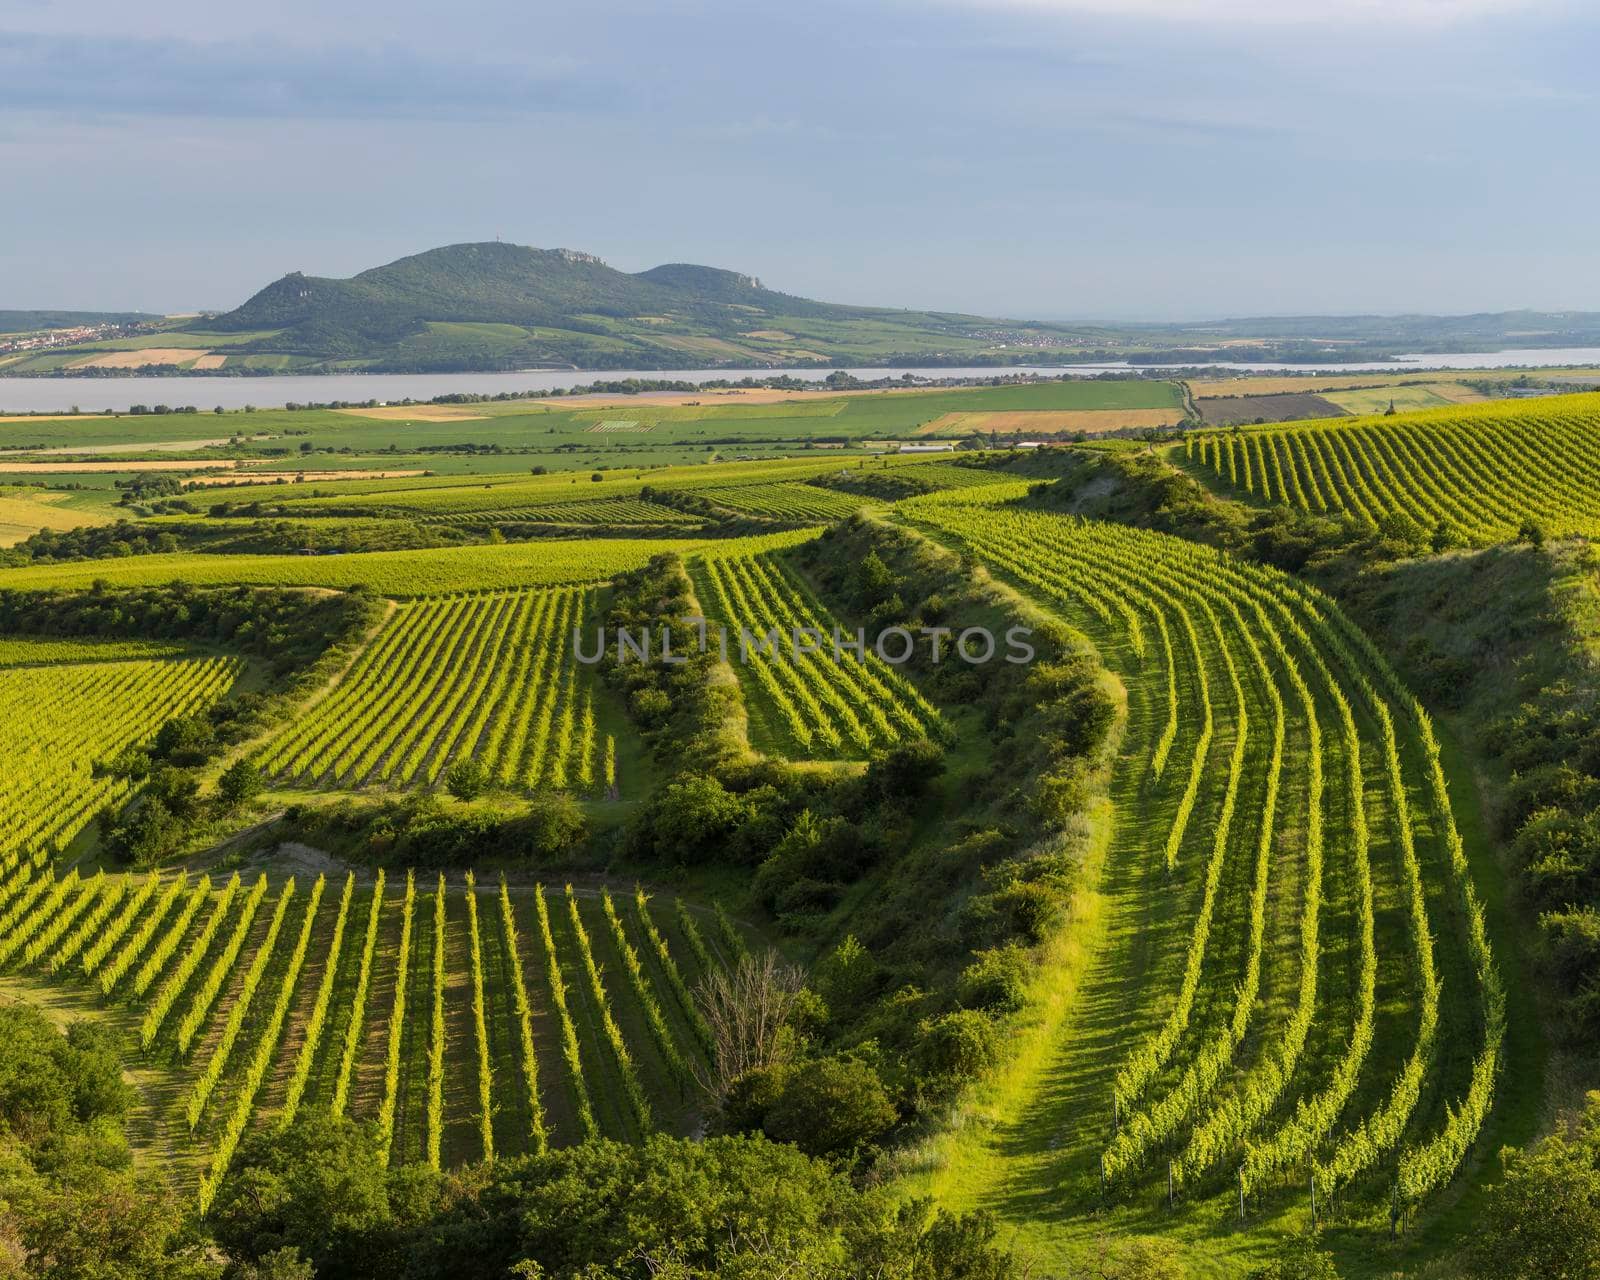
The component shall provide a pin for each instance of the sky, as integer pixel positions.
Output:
(1054, 159)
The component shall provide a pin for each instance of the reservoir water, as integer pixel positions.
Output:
(59, 395)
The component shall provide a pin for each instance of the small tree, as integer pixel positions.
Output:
(240, 783)
(747, 1012)
(1298, 1258)
(465, 779)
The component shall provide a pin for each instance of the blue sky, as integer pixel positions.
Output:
(1096, 159)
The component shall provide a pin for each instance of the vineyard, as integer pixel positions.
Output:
(1484, 471)
(807, 703)
(1316, 1005)
(485, 677)
(547, 562)
(61, 721)
(433, 1008)
(613, 511)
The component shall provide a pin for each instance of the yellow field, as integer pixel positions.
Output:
(1275, 384)
(139, 359)
(1050, 422)
(1431, 395)
(23, 517)
(299, 477)
(211, 361)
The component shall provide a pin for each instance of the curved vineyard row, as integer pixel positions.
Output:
(1229, 1065)
(780, 641)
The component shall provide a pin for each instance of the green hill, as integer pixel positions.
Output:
(504, 306)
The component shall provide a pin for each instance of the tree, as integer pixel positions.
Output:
(747, 1011)
(1543, 1219)
(874, 582)
(465, 779)
(49, 1081)
(320, 1186)
(1531, 532)
(556, 825)
(831, 1107)
(280, 1264)
(240, 783)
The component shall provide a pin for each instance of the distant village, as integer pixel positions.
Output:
(69, 337)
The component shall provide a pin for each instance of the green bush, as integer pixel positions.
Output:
(954, 1048)
(997, 979)
(465, 779)
(831, 1107)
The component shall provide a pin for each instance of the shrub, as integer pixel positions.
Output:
(997, 979)
(556, 826)
(954, 1048)
(240, 783)
(831, 1107)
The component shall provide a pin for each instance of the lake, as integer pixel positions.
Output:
(58, 395)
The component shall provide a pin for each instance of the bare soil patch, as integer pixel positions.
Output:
(1290, 407)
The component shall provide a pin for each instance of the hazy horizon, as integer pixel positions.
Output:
(1092, 160)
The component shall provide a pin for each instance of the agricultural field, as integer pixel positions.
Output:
(1240, 967)
(1283, 407)
(62, 720)
(809, 698)
(546, 563)
(487, 677)
(1292, 993)
(464, 1019)
(24, 512)
(1404, 398)
(1483, 472)
(563, 432)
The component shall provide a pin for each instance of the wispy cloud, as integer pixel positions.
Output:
(243, 79)
(1280, 13)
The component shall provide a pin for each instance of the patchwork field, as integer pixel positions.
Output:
(1190, 928)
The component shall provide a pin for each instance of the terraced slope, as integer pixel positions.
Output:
(1293, 983)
